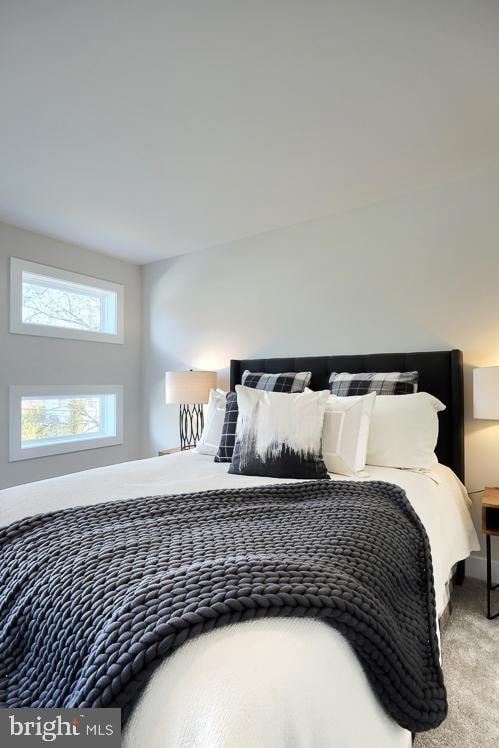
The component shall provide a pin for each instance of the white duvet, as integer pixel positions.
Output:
(270, 683)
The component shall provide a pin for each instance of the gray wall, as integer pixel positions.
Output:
(417, 273)
(26, 359)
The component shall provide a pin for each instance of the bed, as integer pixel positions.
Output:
(237, 686)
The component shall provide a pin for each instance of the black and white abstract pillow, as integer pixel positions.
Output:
(283, 382)
(382, 383)
(279, 434)
(290, 381)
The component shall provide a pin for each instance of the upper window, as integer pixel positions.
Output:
(57, 303)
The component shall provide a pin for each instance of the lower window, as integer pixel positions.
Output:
(48, 420)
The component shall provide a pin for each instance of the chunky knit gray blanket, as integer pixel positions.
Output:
(92, 599)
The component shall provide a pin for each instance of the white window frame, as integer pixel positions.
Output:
(18, 327)
(16, 394)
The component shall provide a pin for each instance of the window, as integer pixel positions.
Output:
(48, 420)
(57, 303)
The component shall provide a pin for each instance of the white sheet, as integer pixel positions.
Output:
(238, 686)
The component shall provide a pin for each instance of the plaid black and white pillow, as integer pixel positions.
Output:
(382, 383)
(228, 438)
(285, 382)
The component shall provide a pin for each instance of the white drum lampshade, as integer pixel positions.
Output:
(486, 393)
(189, 390)
(189, 387)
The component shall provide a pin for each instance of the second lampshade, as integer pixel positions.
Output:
(486, 392)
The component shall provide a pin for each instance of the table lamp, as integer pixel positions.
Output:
(486, 393)
(189, 390)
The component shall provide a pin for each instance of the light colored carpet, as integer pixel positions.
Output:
(470, 651)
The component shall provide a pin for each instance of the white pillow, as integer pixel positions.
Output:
(345, 433)
(213, 422)
(404, 431)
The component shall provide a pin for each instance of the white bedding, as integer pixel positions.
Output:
(238, 686)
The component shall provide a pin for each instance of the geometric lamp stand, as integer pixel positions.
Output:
(191, 423)
(190, 390)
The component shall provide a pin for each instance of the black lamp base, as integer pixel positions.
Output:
(191, 423)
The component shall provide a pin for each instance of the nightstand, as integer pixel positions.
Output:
(169, 451)
(490, 526)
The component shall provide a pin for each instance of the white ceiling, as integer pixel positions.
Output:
(152, 128)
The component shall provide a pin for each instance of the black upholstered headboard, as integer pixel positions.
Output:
(440, 373)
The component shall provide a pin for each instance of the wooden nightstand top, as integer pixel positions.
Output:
(170, 451)
(490, 511)
(491, 497)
